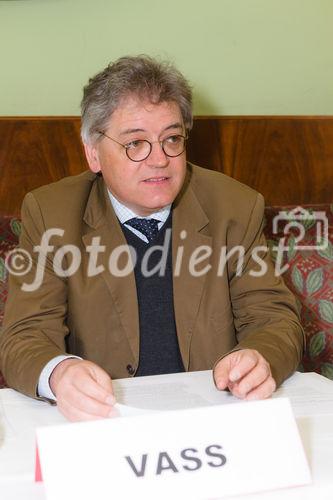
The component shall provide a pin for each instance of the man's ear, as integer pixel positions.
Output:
(92, 158)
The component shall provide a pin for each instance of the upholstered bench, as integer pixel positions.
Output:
(308, 272)
(9, 233)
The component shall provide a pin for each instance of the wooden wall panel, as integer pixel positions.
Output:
(36, 151)
(288, 159)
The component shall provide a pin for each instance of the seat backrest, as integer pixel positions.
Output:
(9, 233)
(308, 260)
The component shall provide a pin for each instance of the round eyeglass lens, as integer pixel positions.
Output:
(138, 150)
(174, 145)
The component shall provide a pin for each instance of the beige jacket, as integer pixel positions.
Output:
(96, 317)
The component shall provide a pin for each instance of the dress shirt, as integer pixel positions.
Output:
(124, 213)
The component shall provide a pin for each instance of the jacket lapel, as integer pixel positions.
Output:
(102, 222)
(188, 217)
(189, 231)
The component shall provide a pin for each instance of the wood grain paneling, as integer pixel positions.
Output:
(36, 151)
(288, 159)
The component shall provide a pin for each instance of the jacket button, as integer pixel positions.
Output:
(130, 369)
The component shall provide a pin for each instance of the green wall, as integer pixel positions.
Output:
(242, 56)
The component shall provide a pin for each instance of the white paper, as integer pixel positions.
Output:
(310, 394)
(176, 391)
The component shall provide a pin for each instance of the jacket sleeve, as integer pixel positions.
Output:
(34, 327)
(265, 311)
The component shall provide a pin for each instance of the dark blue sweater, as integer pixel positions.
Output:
(159, 349)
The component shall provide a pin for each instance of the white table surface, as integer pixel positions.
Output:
(310, 394)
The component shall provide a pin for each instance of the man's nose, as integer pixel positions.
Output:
(157, 157)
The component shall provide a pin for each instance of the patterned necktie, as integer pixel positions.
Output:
(148, 227)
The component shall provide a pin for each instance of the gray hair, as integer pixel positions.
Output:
(141, 76)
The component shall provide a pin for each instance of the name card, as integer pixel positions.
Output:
(191, 454)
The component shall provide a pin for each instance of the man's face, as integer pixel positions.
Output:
(153, 183)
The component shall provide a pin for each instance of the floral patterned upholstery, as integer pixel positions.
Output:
(309, 274)
(9, 232)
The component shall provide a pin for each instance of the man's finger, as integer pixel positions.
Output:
(90, 387)
(103, 379)
(76, 414)
(252, 380)
(264, 391)
(221, 374)
(234, 366)
(245, 362)
(81, 402)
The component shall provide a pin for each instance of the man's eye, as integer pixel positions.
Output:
(134, 144)
(173, 139)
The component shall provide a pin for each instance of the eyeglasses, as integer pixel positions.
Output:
(139, 150)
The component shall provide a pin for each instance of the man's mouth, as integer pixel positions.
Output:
(156, 179)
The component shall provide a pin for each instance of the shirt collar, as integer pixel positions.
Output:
(124, 213)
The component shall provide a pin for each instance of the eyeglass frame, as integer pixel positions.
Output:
(126, 146)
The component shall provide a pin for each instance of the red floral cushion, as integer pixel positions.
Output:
(308, 262)
(9, 232)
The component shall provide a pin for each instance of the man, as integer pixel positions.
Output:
(196, 308)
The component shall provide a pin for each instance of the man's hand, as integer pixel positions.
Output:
(83, 390)
(246, 374)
